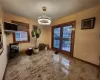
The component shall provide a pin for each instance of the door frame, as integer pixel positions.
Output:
(73, 23)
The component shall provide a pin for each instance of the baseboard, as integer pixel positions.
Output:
(87, 62)
(83, 61)
(5, 71)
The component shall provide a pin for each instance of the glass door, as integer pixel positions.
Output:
(56, 37)
(66, 38)
(63, 38)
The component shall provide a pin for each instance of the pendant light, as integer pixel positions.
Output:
(44, 19)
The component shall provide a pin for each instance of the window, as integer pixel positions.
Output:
(21, 36)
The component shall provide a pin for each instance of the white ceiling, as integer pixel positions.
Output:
(55, 8)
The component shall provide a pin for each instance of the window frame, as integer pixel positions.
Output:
(14, 38)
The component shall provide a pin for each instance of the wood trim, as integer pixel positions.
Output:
(68, 23)
(82, 60)
(14, 41)
(21, 23)
(5, 69)
(73, 23)
(5, 72)
(87, 62)
(73, 37)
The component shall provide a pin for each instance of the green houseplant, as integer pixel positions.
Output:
(36, 33)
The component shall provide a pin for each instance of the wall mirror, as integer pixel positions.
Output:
(1, 41)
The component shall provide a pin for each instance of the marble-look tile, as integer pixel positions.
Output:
(49, 66)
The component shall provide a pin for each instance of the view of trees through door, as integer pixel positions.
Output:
(63, 37)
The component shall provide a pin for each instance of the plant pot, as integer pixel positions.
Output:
(36, 50)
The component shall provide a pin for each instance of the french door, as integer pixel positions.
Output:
(63, 37)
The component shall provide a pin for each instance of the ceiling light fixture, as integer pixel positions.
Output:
(44, 19)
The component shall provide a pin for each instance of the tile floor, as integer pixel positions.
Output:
(49, 66)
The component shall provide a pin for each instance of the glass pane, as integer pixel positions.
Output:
(66, 42)
(56, 32)
(67, 31)
(21, 36)
(56, 42)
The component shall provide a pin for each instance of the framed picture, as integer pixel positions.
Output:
(88, 23)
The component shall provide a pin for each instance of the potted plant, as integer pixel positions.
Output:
(36, 33)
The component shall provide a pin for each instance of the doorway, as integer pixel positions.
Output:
(63, 38)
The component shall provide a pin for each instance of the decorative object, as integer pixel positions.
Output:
(56, 52)
(1, 41)
(36, 33)
(29, 51)
(88, 23)
(42, 46)
(44, 19)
